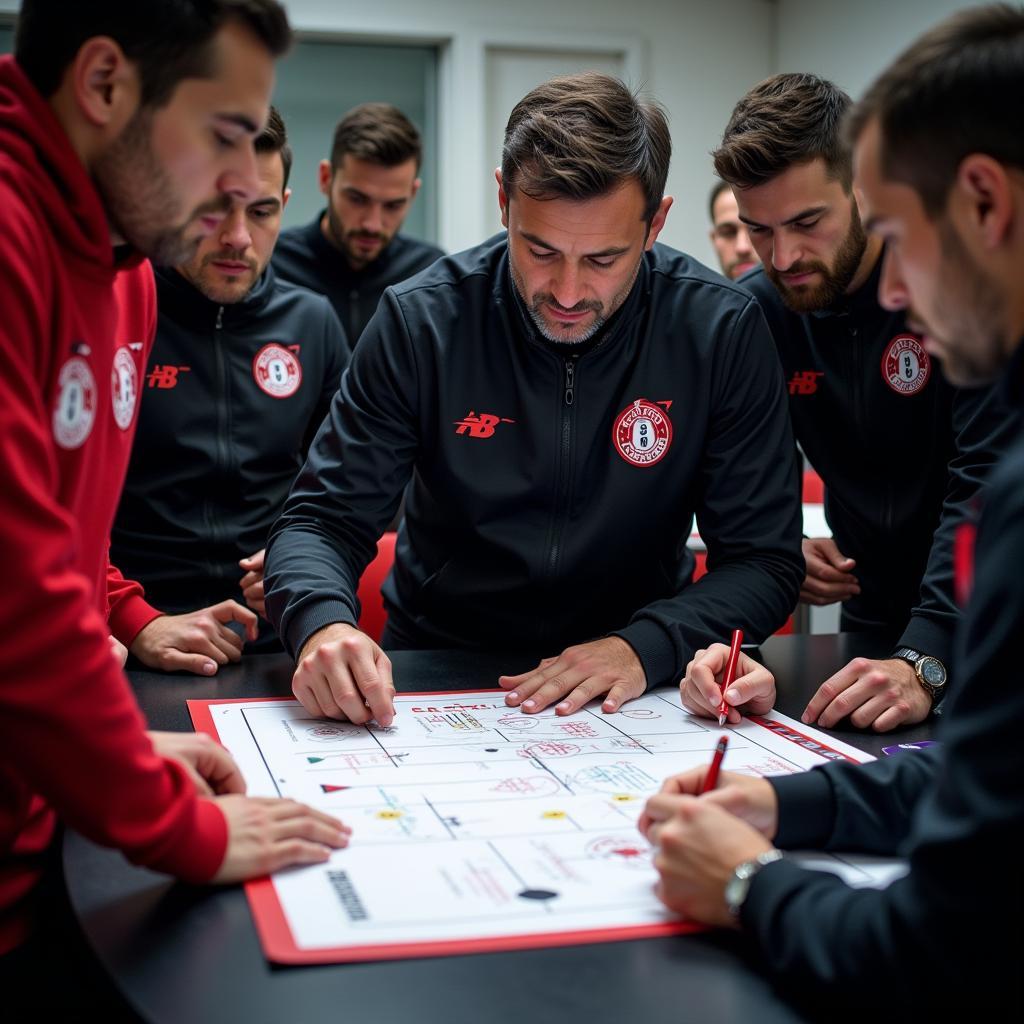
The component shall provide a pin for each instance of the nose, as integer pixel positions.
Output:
(567, 285)
(743, 246)
(239, 179)
(892, 289)
(234, 231)
(373, 220)
(785, 250)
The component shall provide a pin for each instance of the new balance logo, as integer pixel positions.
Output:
(165, 376)
(479, 426)
(805, 382)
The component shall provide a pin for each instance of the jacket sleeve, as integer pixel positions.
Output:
(70, 729)
(951, 930)
(748, 512)
(128, 612)
(982, 428)
(337, 354)
(339, 506)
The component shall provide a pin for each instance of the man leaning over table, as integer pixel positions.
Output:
(563, 399)
(939, 156)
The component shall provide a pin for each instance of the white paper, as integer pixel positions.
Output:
(474, 821)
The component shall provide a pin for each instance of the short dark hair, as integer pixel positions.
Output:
(378, 133)
(169, 40)
(716, 190)
(787, 120)
(581, 136)
(955, 91)
(274, 139)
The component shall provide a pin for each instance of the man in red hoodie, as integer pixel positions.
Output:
(126, 130)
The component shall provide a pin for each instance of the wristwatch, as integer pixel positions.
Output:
(931, 673)
(738, 886)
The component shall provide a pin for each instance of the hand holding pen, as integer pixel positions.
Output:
(703, 691)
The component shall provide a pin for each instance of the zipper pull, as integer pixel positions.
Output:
(220, 319)
(570, 371)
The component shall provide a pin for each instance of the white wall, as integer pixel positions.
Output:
(696, 56)
(850, 43)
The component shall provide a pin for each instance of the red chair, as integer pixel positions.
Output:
(814, 488)
(372, 616)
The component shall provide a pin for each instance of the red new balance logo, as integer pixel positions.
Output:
(165, 376)
(479, 426)
(805, 382)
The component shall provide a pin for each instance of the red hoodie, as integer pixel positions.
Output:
(74, 334)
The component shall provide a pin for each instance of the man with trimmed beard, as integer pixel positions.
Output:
(242, 372)
(562, 400)
(901, 452)
(352, 251)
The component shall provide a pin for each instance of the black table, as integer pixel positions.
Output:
(182, 954)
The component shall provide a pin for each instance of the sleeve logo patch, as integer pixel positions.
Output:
(276, 371)
(75, 409)
(906, 366)
(642, 433)
(124, 388)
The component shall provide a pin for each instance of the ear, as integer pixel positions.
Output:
(983, 195)
(325, 176)
(285, 197)
(415, 188)
(103, 85)
(502, 198)
(658, 222)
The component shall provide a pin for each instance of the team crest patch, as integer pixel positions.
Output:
(277, 371)
(124, 388)
(906, 366)
(75, 409)
(642, 433)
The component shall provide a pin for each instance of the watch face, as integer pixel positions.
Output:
(932, 671)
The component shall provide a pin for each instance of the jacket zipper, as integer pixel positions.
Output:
(353, 317)
(214, 525)
(564, 464)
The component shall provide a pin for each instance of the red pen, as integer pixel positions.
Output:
(711, 779)
(730, 673)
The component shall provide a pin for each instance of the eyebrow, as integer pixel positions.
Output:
(811, 211)
(604, 253)
(274, 201)
(245, 123)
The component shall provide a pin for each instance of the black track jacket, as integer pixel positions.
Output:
(551, 496)
(902, 454)
(231, 398)
(950, 934)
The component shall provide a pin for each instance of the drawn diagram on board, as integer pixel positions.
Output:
(478, 827)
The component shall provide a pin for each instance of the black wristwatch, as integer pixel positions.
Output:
(931, 673)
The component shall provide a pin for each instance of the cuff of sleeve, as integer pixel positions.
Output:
(769, 890)
(128, 618)
(313, 618)
(655, 650)
(928, 637)
(807, 809)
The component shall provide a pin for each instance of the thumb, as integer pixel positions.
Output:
(198, 664)
(748, 688)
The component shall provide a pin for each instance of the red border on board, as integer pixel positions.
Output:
(279, 944)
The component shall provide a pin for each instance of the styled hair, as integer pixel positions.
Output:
(274, 139)
(785, 121)
(716, 190)
(582, 136)
(955, 91)
(378, 133)
(169, 40)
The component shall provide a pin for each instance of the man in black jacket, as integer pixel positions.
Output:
(940, 159)
(902, 453)
(352, 251)
(564, 400)
(241, 374)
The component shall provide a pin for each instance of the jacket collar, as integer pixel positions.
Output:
(186, 304)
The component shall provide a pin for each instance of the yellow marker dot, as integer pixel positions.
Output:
(623, 798)
(389, 815)
(553, 814)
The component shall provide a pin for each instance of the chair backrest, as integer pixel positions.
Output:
(372, 616)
